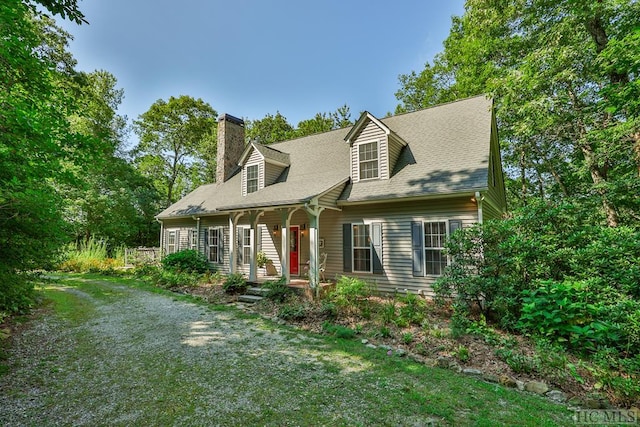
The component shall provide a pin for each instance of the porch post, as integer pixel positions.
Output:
(253, 267)
(285, 222)
(233, 222)
(314, 223)
(479, 199)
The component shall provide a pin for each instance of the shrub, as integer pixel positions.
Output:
(278, 289)
(412, 308)
(235, 283)
(293, 311)
(169, 279)
(571, 313)
(187, 260)
(351, 294)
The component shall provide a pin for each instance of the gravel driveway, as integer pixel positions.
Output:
(146, 359)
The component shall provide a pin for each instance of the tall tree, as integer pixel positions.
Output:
(172, 136)
(38, 152)
(269, 129)
(565, 100)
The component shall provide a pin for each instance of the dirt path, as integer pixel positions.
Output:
(146, 359)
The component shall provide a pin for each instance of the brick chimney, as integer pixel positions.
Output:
(230, 146)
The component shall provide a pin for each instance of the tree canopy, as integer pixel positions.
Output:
(564, 75)
(175, 137)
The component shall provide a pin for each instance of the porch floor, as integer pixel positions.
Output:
(295, 282)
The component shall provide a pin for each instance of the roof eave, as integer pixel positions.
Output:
(383, 199)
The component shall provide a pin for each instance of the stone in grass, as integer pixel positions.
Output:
(400, 352)
(472, 372)
(369, 345)
(556, 396)
(537, 387)
(490, 378)
(443, 362)
(365, 341)
(507, 381)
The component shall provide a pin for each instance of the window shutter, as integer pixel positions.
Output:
(376, 243)
(206, 243)
(416, 249)
(454, 224)
(177, 246)
(220, 245)
(240, 251)
(346, 248)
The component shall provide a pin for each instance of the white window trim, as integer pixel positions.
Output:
(175, 244)
(377, 142)
(424, 247)
(193, 242)
(354, 247)
(246, 232)
(220, 235)
(257, 179)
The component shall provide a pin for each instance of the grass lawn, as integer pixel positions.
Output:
(113, 351)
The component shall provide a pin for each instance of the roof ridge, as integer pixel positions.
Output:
(439, 105)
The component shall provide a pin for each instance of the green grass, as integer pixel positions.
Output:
(326, 380)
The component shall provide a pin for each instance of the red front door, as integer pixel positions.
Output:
(294, 268)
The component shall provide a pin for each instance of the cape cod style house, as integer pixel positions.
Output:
(376, 200)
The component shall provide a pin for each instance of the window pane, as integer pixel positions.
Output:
(362, 260)
(252, 178)
(435, 261)
(435, 234)
(368, 160)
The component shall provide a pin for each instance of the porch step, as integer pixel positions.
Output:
(255, 290)
(249, 298)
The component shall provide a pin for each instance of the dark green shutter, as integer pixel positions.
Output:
(221, 245)
(416, 249)
(240, 241)
(346, 248)
(376, 243)
(206, 243)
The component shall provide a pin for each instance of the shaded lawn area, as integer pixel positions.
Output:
(117, 352)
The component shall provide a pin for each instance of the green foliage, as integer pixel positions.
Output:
(293, 311)
(462, 353)
(279, 291)
(235, 283)
(517, 361)
(351, 294)
(262, 259)
(173, 279)
(496, 262)
(188, 261)
(338, 331)
(570, 312)
(175, 140)
(91, 256)
(412, 308)
(407, 337)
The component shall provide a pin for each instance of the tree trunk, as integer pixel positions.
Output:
(599, 179)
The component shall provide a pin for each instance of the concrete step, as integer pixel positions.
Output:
(249, 298)
(255, 290)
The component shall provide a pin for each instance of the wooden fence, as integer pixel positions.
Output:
(137, 256)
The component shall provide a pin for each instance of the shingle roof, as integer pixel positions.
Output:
(270, 153)
(447, 152)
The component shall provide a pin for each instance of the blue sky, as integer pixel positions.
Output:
(253, 57)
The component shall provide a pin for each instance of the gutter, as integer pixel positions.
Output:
(465, 193)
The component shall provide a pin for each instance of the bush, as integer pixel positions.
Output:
(188, 260)
(293, 311)
(235, 283)
(572, 313)
(278, 290)
(351, 294)
(169, 279)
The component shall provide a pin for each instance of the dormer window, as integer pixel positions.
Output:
(368, 160)
(252, 179)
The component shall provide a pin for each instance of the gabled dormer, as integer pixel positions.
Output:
(261, 166)
(375, 148)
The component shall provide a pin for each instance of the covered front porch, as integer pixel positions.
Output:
(287, 236)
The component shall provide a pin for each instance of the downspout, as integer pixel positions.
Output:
(479, 199)
(197, 219)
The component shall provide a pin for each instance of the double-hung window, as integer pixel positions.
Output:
(435, 236)
(244, 245)
(361, 248)
(172, 240)
(215, 244)
(368, 160)
(252, 179)
(193, 240)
